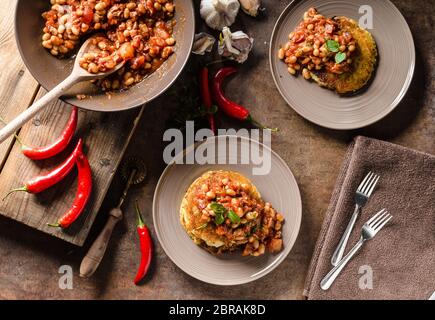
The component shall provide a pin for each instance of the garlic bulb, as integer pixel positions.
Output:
(250, 7)
(219, 13)
(235, 46)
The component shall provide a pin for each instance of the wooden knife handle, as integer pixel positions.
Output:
(96, 252)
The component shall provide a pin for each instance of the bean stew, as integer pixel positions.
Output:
(139, 32)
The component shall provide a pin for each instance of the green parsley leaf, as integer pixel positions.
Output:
(340, 57)
(219, 211)
(218, 208)
(233, 217)
(219, 219)
(332, 45)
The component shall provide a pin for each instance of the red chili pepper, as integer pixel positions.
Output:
(146, 247)
(228, 106)
(84, 188)
(206, 96)
(59, 145)
(41, 183)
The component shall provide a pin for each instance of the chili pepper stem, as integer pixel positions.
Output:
(54, 225)
(260, 125)
(3, 120)
(23, 146)
(216, 62)
(140, 222)
(14, 190)
(15, 135)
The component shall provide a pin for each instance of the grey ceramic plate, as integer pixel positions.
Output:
(50, 71)
(279, 187)
(391, 80)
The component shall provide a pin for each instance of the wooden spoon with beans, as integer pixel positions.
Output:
(78, 74)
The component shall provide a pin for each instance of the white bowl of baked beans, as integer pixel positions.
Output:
(153, 37)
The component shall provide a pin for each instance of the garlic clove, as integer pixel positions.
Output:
(251, 7)
(235, 46)
(227, 7)
(203, 43)
(214, 20)
(227, 41)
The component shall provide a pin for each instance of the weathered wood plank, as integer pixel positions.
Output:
(17, 85)
(106, 136)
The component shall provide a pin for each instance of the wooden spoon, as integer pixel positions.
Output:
(78, 74)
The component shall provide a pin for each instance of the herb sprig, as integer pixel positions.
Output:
(221, 213)
(334, 46)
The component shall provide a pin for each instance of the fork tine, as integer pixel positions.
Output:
(380, 221)
(369, 192)
(372, 219)
(368, 184)
(361, 185)
(379, 227)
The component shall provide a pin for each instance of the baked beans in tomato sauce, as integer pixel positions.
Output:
(318, 43)
(138, 32)
(259, 225)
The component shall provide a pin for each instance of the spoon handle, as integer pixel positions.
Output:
(27, 114)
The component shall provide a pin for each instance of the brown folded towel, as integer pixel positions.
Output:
(402, 255)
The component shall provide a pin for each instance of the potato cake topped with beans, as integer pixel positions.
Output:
(138, 32)
(223, 211)
(334, 52)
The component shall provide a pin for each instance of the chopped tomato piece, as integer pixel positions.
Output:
(158, 32)
(138, 62)
(299, 37)
(329, 28)
(126, 51)
(275, 245)
(88, 15)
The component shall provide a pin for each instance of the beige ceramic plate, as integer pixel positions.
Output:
(391, 80)
(278, 187)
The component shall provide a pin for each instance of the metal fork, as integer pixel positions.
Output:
(362, 194)
(369, 230)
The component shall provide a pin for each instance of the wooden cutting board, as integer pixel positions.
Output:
(106, 136)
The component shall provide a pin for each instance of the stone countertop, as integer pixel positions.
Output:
(30, 260)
